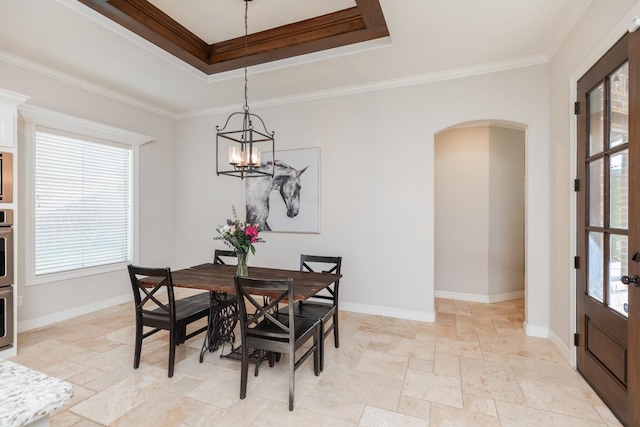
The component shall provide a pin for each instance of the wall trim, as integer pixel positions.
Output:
(487, 299)
(398, 313)
(59, 121)
(83, 84)
(12, 98)
(536, 331)
(562, 348)
(436, 76)
(450, 74)
(49, 319)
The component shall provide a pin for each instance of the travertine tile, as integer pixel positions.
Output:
(159, 409)
(362, 387)
(456, 347)
(559, 398)
(421, 365)
(388, 365)
(337, 422)
(478, 404)
(278, 414)
(490, 380)
(333, 406)
(512, 415)
(442, 416)
(418, 349)
(108, 405)
(374, 417)
(473, 367)
(415, 407)
(446, 364)
(434, 388)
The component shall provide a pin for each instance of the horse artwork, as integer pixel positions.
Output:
(285, 180)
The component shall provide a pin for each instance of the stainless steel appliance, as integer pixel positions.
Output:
(6, 177)
(6, 278)
(6, 247)
(6, 317)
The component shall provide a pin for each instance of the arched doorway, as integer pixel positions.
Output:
(480, 212)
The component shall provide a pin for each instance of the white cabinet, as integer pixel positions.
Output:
(9, 102)
(8, 119)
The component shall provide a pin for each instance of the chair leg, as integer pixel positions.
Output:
(318, 339)
(321, 346)
(172, 351)
(292, 377)
(244, 371)
(138, 346)
(336, 334)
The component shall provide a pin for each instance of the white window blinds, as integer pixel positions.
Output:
(83, 203)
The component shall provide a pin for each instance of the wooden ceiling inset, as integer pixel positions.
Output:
(354, 25)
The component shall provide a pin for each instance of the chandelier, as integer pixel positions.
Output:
(245, 142)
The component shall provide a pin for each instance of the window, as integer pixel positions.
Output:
(81, 197)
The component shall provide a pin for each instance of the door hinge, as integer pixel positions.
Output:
(576, 185)
(576, 340)
(576, 262)
(576, 108)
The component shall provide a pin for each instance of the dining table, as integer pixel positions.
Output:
(218, 279)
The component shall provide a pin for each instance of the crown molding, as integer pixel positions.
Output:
(13, 98)
(456, 73)
(451, 74)
(83, 84)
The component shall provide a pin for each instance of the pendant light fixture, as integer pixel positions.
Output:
(245, 143)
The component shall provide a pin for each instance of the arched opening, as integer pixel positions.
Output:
(480, 212)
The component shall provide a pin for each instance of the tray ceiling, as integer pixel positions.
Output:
(187, 36)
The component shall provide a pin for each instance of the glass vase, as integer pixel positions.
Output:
(242, 270)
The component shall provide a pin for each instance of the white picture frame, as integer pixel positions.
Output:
(295, 169)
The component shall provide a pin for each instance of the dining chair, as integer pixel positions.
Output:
(157, 307)
(220, 254)
(324, 305)
(269, 330)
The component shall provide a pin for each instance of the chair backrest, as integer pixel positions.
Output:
(323, 264)
(219, 253)
(157, 299)
(279, 290)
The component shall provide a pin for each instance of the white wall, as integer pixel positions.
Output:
(462, 212)
(377, 185)
(506, 212)
(479, 205)
(46, 303)
(603, 23)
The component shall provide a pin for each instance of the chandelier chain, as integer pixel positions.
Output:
(246, 53)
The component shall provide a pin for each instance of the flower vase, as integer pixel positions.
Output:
(242, 270)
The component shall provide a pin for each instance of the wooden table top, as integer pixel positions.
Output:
(219, 278)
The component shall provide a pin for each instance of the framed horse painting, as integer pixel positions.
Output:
(288, 201)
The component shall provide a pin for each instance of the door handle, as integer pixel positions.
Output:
(626, 280)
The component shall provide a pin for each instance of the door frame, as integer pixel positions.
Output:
(607, 43)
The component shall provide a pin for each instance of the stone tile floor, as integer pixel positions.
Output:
(473, 367)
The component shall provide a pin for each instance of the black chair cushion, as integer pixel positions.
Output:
(302, 326)
(313, 309)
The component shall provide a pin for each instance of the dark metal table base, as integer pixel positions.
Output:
(223, 317)
(255, 356)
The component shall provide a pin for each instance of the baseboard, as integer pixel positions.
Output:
(536, 331)
(507, 296)
(9, 352)
(39, 322)
(562, 348)
(422, 316)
